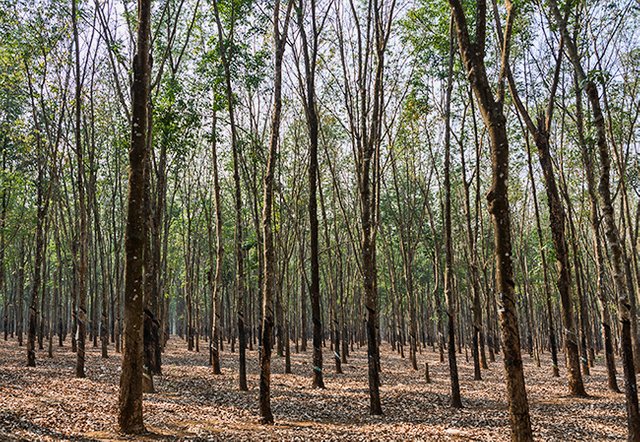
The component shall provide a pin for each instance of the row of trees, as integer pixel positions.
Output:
(274, 172)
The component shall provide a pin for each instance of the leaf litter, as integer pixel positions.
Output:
(191, 403)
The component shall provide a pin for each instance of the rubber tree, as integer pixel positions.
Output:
(472, 52)
(130, 418)
(611, 231)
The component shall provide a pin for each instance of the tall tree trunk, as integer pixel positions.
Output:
(269, 282)
(335, 285)
(456, 400)
(472, 53)
(310, 56)
(611, 230)
(238, 240)
(42, 204)
(20, 293)
(545, 272)
(130, 401)
(4, 202)
(303, 299)
(479, 357)
(594, 218)
(104, 318)
(617, 260)
(369, 185)
(82, 211)
(217, 272)
(151, 325)
(37, 268)
(557, 222)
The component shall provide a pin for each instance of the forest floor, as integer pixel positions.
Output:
(49, 403)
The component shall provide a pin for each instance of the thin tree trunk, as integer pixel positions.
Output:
(545, 272)
(83, 231)
(238, 240)
(456, 400)
(611, 230)
(479, 357)
(312, 128)
(269, 282)
(217, 276)
(42, 202)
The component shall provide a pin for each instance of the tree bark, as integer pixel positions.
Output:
(238, 240)
(472, 54)
(217, 272)
(37, 267)
(82, 209)
(130, 401)
(557, 219)
(309, 51)
(456, 400)
(611, 230)
(269, 282)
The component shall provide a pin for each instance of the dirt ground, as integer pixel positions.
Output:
(48, 403)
